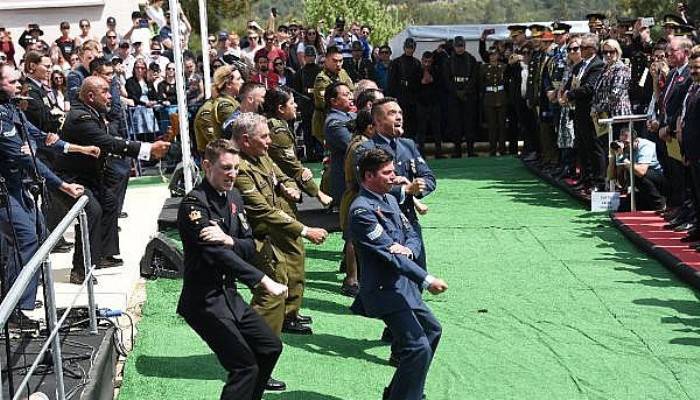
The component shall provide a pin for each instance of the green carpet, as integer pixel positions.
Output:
(546, 301)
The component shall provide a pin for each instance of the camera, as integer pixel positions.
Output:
(617, 145)
(143, 23)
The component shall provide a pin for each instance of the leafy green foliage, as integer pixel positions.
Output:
(384, 19)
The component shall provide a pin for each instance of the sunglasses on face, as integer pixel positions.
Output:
(170, 69)
(574, 49)
(111, 37)
(84, 26)
(609, 52)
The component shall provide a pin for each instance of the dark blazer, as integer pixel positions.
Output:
(583, 95)
(691, 125)
(365, 70)
(133, 91)
(85, 126)
(211, 270)
(337, 140)
(389, 282)
(672, 101)
(408, 163)
(38, 110)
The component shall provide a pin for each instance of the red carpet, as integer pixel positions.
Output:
(645, 229)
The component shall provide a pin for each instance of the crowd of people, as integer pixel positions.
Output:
(289, 94)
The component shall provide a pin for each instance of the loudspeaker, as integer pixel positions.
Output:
(162, 259)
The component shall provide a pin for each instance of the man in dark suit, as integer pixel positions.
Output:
(389, 285)
(579, 91)
(219, 249)
(690, 136)
(85, 125)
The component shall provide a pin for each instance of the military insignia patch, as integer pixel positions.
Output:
(376, 232)
(244, 220)
(195, 215)
(12, 132)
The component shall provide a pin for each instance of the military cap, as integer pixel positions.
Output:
(310, 51)
(409, 43)
(356, 46)
(516, 30)
(684, 30)
(459, 41)
(560, 28)
(673, 20)
(596, 18)
(339, 21)
(536, 30)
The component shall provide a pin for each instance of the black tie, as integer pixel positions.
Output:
(392, 144)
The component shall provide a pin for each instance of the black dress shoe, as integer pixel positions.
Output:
(275, 385)
(110, 262)
(304, 319)
(693, 236)
(296, 328)
(62, 246)
(78, 278)
(19, 320)
(350, 290)
(394, 360)
(123, 214)
(684, 227)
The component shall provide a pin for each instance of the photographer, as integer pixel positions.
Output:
(649, 178)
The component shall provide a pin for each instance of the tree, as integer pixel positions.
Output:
(383, 19)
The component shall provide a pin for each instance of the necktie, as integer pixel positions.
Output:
(671, 81)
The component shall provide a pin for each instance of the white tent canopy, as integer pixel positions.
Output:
(429, 36)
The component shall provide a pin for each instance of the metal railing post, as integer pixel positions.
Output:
(50, 302)
(87, 263)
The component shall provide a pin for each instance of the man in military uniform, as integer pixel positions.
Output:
(17, 167)
(283, 150)
(386, 246)
(208, 123)
(532, 94)
(303, 82)
(267, 193)
(460, 76)
(427, 106)
(493, 88)
(86, 125)
(553, 80)
(358, 67)
(517, 36)
(546, 108)
(517, 115)
(414, 176)
(332, 72)
(404, 78)
(596, 24)
(219, 249)
(641, 87)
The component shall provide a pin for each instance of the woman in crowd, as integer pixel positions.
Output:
(57, 95)
(167, 90)
(85, 34)
(74, 60)
(154, 11)
(138, 88)
(57, 59)
(144, 96)
(285, 74)
(611, 96)
(312, 38)
(565, 136)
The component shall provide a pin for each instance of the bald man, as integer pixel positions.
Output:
(85, 124)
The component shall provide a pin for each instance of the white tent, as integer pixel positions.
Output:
(428, 37)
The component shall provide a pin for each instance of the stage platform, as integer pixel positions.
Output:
(88, 363)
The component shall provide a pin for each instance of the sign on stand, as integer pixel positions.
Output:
(605, 201)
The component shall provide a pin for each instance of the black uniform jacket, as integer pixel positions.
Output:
(85, 126)
(211, 270)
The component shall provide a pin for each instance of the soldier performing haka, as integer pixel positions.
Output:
(219, 249)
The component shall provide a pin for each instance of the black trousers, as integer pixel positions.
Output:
(651, 187)
(95, 218)
(115, 181)
(245, 347)
(462, 121)
(429, 120)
